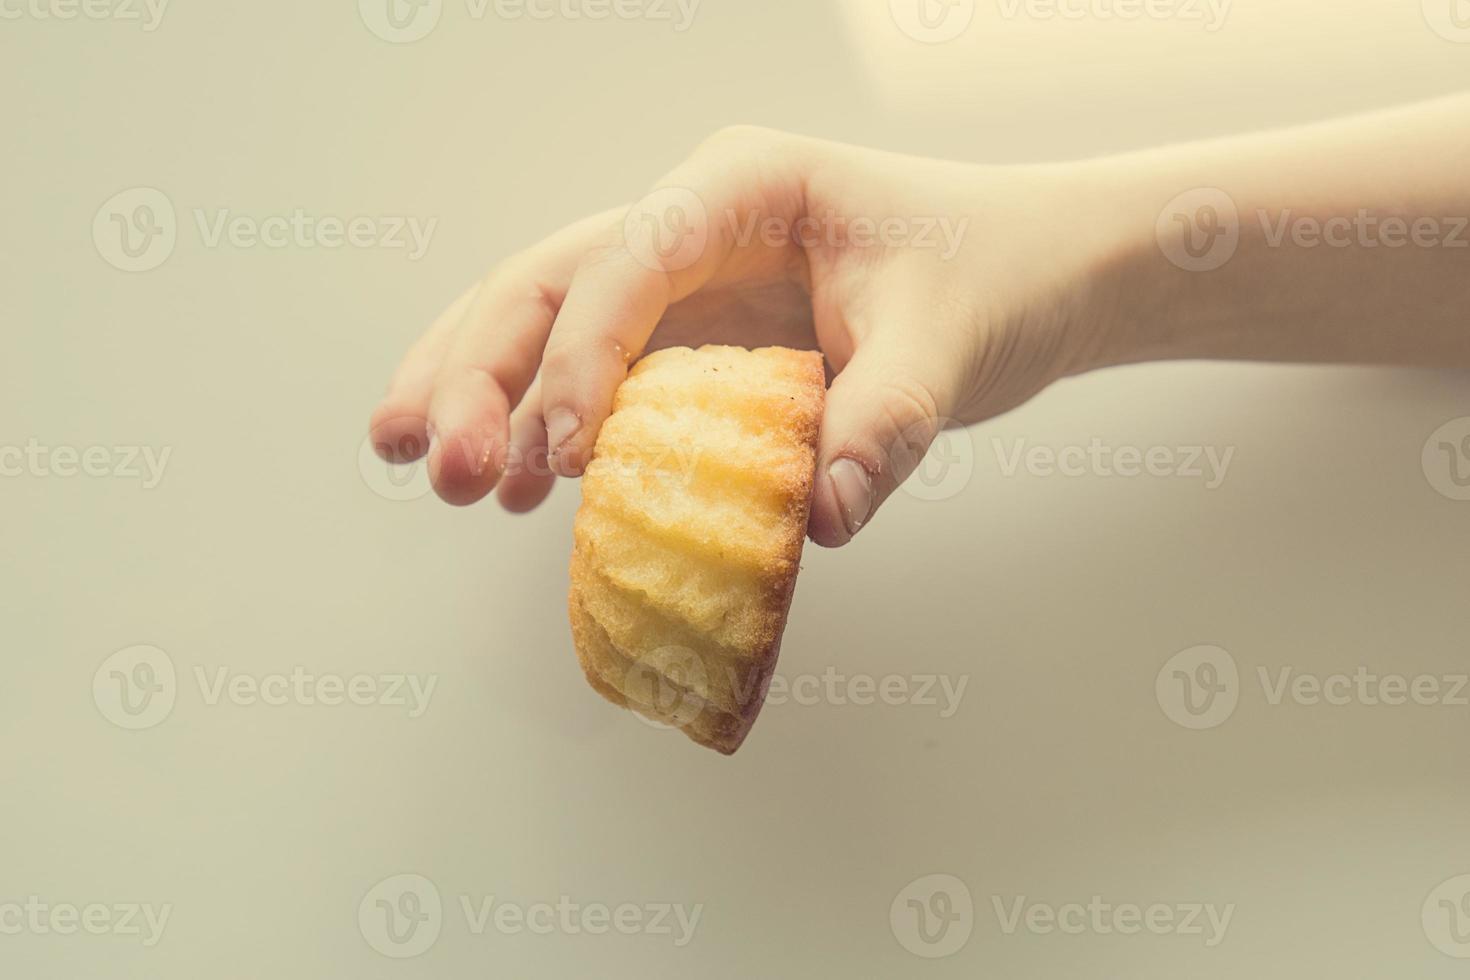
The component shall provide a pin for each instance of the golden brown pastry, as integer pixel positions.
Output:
(694, 510)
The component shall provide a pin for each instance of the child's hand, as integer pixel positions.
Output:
(936, 294)
(944, 293)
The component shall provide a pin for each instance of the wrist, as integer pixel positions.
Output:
(1151, 240)
(1101, 283)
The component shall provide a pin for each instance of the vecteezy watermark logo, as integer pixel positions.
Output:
(38, 917)
(401, 21)
(1203, 920)
(1364, 228)
(411, 692)
(675, 685)
(1450, 19)
(1212, 14)
(406, 21)
(1446, 459)
(1363, 687)
(399, 482)
(678, 13)
(933, 916)
(1199, 230)
(143, 463)
(135, 688)
(941, 471)
(1208, 464)
(932, 21)
(572, 918)
(667, 230)
(1446, 917)
(832, 687)
(1198, 688)
(393, 460)
(401, 916)
(135, 230)
(942, 235)
(670, 685)
(149, 13)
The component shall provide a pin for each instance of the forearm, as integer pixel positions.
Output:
(1353, 244)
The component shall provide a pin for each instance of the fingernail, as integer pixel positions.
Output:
(854, 490)
(561, 425)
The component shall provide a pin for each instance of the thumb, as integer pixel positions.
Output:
(883, 411)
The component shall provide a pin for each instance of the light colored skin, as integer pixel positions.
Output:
(1055, 270)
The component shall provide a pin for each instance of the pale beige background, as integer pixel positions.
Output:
(265, 546)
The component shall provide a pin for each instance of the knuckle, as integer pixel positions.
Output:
(908, 401)
(515, 264)
(545, 300)
(559, 361)
(910, 413)
(494, 379)
(520, 278)
(738, 138)
(610, 252)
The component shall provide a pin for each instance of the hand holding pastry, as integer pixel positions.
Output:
(928, 286)
(936, 293)
(946, 293)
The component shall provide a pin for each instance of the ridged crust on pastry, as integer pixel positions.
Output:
(694, 511)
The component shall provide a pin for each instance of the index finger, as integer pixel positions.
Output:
(491, 358)
(671, 243)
